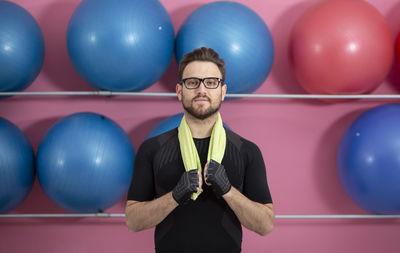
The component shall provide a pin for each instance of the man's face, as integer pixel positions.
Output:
(201, 102)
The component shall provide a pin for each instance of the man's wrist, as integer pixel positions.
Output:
(228, 193)
(172, 199)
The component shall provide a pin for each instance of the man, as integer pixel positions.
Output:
(200, 182)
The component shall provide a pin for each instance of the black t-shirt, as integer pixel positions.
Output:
(207, 224)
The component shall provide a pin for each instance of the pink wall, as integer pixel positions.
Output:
(298, 140)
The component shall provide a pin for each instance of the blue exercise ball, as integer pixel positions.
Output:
(123, 45)
(21, 47)
(168, 124)
(85, 162)
(17, 172)
(368, 160)
(239, 36)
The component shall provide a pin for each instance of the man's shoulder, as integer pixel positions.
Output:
(237, 140)
(156, 142)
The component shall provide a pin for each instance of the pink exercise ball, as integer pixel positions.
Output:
(398, 47)
(341, 47)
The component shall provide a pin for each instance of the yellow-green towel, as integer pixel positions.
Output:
(190, 157)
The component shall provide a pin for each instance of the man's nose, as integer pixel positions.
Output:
(202, 88)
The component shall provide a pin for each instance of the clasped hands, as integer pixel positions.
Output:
(191, 182)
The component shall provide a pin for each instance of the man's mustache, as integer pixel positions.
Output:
(201, 96)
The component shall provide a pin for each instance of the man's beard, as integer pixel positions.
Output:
(201, 115)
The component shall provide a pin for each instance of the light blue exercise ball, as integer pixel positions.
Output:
(85, 162)
(168, 124)
(21, 47)
(123, 45)
(238, 35)
(17, 172)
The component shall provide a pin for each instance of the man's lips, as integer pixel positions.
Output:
(201, 99)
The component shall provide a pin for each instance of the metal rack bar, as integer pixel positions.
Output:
(87, 93)
(171, 94)
(121, 215)
(64, 215)
(338, 216)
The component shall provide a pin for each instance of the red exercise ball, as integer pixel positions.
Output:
(341, 47)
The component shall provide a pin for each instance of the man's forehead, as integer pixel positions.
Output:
(201, 69)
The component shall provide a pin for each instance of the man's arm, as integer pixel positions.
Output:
(141, 215)
(147, 214)
(254, 216)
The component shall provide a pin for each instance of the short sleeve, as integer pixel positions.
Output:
(255, 182)
(142, 184)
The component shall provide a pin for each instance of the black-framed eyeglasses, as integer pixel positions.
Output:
(194, 82)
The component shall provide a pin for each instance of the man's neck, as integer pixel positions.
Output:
(201, 128)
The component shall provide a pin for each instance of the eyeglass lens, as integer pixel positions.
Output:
(193, 83)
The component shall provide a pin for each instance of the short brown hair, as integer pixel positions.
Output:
(202, 54)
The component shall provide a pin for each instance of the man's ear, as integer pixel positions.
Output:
(178, 89)
(224, 89)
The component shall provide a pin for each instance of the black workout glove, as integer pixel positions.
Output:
(186, 186)
(216, 175)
